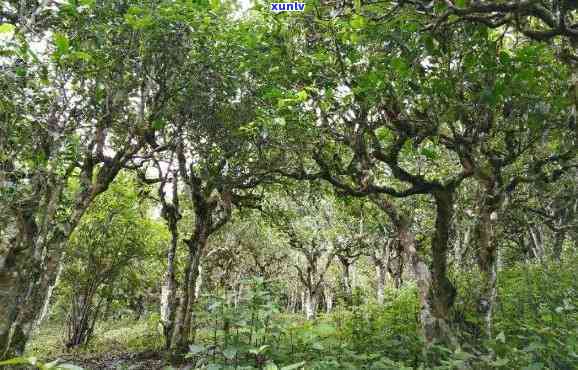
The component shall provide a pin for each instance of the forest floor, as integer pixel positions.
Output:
(121, 344)
(536, 326)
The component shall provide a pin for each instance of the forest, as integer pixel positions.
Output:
(214, 184)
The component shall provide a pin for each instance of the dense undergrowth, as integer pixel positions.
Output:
(536, 327)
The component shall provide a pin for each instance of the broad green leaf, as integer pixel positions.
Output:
(357, 21)
(61, 42)
(501, 337)
(158, 124)
(301, 96)
(400, 66)
(6, 28)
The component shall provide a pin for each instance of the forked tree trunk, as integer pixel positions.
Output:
(434, 290)
(27, 277)
(30, 269)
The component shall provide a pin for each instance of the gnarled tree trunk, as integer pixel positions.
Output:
(491, 202)
(442, 291)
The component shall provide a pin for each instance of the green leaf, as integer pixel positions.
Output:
(318, 346)
(501, 337)
(51, 365)
(301, 96)
(279, 121)
(400, 66)
(81, 55)
(428, 153)
(357, 4)
(7, 28)
(325, 330)
(195, 349)
(158, 124)
(20, 72)
(62, 43)
(500, 362)
(230, 353)
(294, 366)
(534, 366)
(16, 361)
(271, 366)
(70, 367)
(257, 351)
(357, 21)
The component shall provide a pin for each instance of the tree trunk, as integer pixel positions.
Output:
(30, 268)
(25, 282)
(328, 293)
(558, 247)
(238, 293)
(168, 291)
(196, 246)
(381, 272)
(199, 281)
(442, 292)
(310, 304)
(487, 264)
(46, 305)
(537, 245)
(346, 278)
(422, 276)
(430, 325)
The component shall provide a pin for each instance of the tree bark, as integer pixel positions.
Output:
(346, 266)
(381, 260)
(168, 291)
(442, 291)
(381, 272)
(31, 266)
(310, 304)
(196, 246)
(558, 247)
(328, 293)
(435, 291)
(487, 265)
